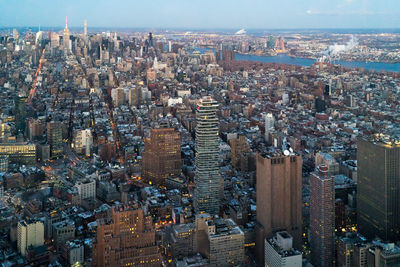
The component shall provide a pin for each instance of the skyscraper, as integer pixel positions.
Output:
(279, 202)
(54, 138)
(162, 156)
(128, 239)
(208, 181)
(322, 217)
(378, 189)
(20, 114)
(85, 28)
(66, 36)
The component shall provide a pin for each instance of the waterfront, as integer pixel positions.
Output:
(286, 59)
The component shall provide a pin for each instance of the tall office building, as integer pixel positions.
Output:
(208, 181)
(322, 217)
(162, 156)
(269, 125)
(29, 233)
(128, 239)
(85, 28)
(20, 114)
(66, 36)
(378, 189)
(279, 197)
(54, 138)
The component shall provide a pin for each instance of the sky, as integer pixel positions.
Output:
(203, 14)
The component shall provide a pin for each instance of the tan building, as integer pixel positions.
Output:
(29, 233)
(279, 197)
(162, 156)
(127, 239)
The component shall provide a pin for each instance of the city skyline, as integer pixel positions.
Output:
(224, 14)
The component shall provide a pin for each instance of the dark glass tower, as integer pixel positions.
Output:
(378, 189)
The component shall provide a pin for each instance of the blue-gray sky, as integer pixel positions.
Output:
(234, 14)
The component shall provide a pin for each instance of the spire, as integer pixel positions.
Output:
(66, 22)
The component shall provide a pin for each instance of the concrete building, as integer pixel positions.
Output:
(221, 240)
(279, 197)
(269, 121)
(322, 217)
(118, 96)
(86, 189)
(208, 180)
(378, 214)
(83, 142)
(29, 233)
(279, 251)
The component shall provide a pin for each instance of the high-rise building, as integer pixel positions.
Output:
(378, 189)
(135, 96)
(66, 36)
(85, 28)
(128, 239)
(36, 129)
(238, 147)
(269, 121)
(208, 181)
(279, 251)
(54, 138)
(29, 233)
(162, 156)
(322, 217)
(279, 197)
(20, 114)
(118, 96)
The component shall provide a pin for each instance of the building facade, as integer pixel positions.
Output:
(279, 197)
(29, 233)
(279, 251)
(162, 156)
(322, 217)
(208, 181)
(128, 239)
(378, 188)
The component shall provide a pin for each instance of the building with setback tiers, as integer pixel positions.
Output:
(208, 181)
(127, 239)
(378, 189)
(279, 197)
(162, 156)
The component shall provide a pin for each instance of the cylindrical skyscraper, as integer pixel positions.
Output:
(208, 181)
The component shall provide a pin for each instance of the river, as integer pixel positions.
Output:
(285, 59)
